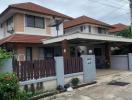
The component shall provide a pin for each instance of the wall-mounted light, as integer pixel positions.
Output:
(64, 50)
(90, 51)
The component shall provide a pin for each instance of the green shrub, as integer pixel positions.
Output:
(75, 81)
(4, 54)
(9, 88)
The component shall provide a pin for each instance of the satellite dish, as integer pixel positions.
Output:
(56, 23)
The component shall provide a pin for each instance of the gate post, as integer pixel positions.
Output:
(59, 65)
(89, 69)
(130, 61)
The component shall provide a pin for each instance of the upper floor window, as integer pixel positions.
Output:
(89, 27)
(99, 30)
(81, 28)
(28, 53)
(1, 25)
(10, 25)
(9, 21)
(34, 21)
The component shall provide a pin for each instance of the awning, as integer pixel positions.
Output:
(87, 36)
(23, 38)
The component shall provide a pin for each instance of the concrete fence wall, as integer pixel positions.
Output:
(49, 83)
(119, 62)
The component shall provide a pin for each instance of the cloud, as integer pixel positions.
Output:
(112, 11)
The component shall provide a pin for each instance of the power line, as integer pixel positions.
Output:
(118, 2)
(117, 19)
(105, 4)
(117, 16)
(112, 12)
(126, 1)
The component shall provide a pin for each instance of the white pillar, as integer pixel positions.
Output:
(89, 68)
(59, 64)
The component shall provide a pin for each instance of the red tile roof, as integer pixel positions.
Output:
(117, 28)
(84, 20)
(22, 38)
(28, 6)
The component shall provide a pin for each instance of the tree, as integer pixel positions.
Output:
(125, 33)
(124, 49)
(4, 54)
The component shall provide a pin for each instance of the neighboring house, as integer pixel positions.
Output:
(117, 28)
(24, 25)
(86, 24)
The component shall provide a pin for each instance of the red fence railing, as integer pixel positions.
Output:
(73, 65)
(27, 70)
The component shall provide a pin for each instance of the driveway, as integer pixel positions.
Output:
(101, 90)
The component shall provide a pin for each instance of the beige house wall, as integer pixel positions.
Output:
(19, 22)
(21, 51)
(48, 29)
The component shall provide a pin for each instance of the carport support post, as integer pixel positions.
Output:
(65, 49)
(107, 55)
(59, 65)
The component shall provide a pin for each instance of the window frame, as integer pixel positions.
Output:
(9, 23)
(81, 28)
(9, 19)
(34, 21)
(99, 30)
(89, 28)
(31, 52)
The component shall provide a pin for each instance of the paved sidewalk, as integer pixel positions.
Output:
(102, 91)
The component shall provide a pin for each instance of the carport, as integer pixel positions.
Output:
(88, 44)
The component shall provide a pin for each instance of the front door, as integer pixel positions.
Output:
(99, 58)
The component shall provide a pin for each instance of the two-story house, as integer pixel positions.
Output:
(33, 32)
(22, 26)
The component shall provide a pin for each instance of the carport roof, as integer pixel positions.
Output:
(86, 36)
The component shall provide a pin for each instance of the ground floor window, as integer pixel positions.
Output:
(28, 53)
(48, 52)
(57, 51)
(41, 53)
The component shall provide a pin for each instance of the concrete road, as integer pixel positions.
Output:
(103, 91)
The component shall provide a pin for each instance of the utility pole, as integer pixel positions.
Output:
(131, 14)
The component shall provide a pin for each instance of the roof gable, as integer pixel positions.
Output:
(117, 28)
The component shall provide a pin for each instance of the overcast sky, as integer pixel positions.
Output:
(109, 11)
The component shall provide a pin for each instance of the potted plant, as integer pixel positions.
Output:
(75, 81)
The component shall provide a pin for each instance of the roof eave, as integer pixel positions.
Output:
(15, 8)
